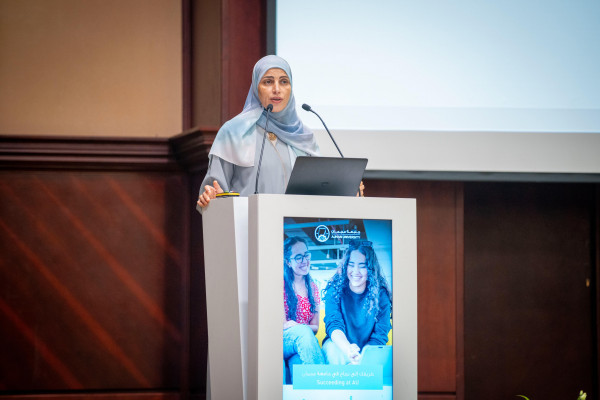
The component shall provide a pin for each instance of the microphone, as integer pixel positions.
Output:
(308, 108)
(269, 109)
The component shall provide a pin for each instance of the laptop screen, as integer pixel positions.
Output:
(326, 176)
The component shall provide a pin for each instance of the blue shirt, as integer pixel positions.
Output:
(349, 315)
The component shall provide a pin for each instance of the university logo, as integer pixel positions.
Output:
(322, 233)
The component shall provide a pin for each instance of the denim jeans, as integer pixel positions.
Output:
(333, 354)
(301, 340)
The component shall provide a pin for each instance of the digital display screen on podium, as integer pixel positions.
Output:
(337, 298)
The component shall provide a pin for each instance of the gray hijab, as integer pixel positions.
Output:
(236, 140)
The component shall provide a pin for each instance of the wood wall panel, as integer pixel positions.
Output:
(439, 246)
(97, 396)
(529, 320)
(198, 321)
(206, 48)
(92, 280)
(437, 397)
(112, 295)
(191, 151)
(244, 43)
(74, 153)
(596, 306)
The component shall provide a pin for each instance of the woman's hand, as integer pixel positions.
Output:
(353, 354)
(289, 324)
(351, 350)
(210, 192)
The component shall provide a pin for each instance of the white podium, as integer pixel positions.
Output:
(243, 253)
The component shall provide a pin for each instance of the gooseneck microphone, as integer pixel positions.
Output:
(308, 108)
(262, 149)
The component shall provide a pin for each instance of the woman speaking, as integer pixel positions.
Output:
(234, 155)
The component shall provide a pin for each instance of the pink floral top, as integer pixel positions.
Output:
(303, 314)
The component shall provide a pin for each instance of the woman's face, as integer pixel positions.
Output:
(299, 261)
(357, 271)
(274, 88)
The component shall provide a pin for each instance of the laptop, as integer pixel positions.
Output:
(379, 355)
(326, 176)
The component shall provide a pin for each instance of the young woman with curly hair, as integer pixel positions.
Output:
(357, 306)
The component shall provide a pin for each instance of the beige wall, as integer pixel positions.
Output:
(91, 67)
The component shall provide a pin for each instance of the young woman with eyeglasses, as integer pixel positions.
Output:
(301, 302)
(357, 306)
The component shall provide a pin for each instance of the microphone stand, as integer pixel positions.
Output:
(308, 108)
(269, 109)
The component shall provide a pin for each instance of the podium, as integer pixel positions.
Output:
(243, 252)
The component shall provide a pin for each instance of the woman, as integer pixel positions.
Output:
(301, 304)
(235, 153)
(357, 306)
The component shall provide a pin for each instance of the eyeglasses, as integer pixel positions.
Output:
(300, 257)
(360, 242)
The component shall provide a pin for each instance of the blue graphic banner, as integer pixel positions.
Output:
(359, 377)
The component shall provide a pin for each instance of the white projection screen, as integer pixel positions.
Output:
(453, 87)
